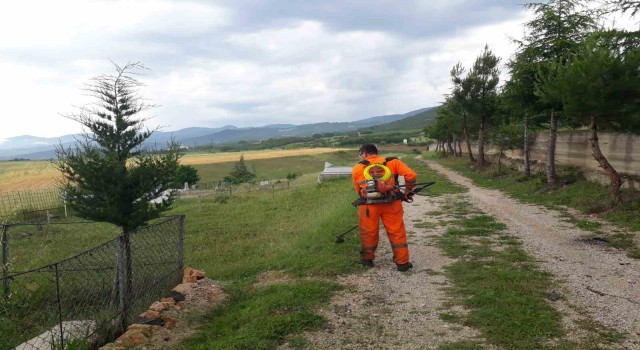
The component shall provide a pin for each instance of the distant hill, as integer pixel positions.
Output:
(31, 147)
(419, 120)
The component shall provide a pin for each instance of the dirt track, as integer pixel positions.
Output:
(384, 309)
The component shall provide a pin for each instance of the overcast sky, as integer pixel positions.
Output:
(243, 62)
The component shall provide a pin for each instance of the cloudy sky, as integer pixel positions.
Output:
(243, 62)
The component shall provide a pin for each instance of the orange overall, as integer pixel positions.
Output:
(391, 213)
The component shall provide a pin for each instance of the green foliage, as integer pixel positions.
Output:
(508, 136)
(293, 176)
(599, 84)
(107, 177)
(185, 173)
(240, 173)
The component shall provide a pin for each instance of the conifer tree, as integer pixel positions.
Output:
(600, 88)
(240, 173)
(484, 78)
(107, 177)
(557, 29)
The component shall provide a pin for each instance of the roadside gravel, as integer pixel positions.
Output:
(596, 280)
(382, 308)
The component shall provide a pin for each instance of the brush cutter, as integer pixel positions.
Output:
(399, 195)
(379, 189)
(340, 237)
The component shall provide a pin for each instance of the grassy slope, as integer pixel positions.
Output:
(416, 122)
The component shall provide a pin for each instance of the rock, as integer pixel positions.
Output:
(112, 347)
(553, 296)
(183, 288)
(143, 328)
(169, 322)
(168, 300)
(192, 275)
(175, 295)
(133, 336)
(158, 306)
(150, 314)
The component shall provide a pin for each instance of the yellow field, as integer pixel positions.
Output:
(212, 158)
(30, 175)
(27, 175)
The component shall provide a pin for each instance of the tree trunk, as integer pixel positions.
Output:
(552, 177)
(466, 140)
(616, 181)
(449, 148)
(124, 278)
(459, 148)
(527, 148)
(481, 161)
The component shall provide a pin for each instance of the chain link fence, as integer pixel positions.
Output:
(86, 300)
(33, 205)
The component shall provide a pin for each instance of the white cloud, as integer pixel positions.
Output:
(207, 70)
(58, 23)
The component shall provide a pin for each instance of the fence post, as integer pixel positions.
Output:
(5, 259)
(55, 266)
(181, 243)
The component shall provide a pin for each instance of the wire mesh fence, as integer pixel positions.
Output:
(86, 300)
(226, 189)
(33, 205)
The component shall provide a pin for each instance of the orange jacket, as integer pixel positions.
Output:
(396, 166)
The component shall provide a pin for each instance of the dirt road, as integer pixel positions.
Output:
(384, 309)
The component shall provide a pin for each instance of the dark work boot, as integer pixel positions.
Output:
(367, 263)
(405, 267)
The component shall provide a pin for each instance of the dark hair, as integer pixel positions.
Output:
(369, 148)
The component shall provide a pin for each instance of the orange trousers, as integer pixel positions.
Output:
(392, 218)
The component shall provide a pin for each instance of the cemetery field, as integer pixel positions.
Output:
(39, 174)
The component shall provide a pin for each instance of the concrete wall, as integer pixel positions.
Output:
(573, 148)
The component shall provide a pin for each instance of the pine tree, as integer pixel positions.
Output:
(240, 173)
(557, 29)
(484, 78)
(599, 88)
(107, 177)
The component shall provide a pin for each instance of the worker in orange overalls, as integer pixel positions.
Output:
(375, 179)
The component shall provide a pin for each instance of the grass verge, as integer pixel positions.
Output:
(502, 289)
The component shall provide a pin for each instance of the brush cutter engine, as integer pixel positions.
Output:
(377, 189)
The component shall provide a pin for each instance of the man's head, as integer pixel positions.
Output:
(368, 149)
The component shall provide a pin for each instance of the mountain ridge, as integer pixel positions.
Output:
(33, 147)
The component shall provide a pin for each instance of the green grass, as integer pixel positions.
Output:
(32, 246)
(292, 231)
(261, 319)
(502, 288)
(278, 168)
(425, 174)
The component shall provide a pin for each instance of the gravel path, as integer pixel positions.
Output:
(602, 281)
(382, 308)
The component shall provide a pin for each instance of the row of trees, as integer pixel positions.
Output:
(568, 71)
